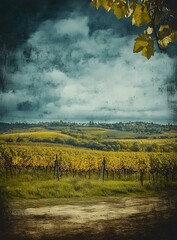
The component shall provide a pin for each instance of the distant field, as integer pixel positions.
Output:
(117, 134)
(94, 132)
(108, 133)
(94, 138)
(29, 135)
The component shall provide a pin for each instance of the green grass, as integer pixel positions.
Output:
(66, 188)
(24, 187)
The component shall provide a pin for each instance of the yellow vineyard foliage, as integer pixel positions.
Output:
(84, 159)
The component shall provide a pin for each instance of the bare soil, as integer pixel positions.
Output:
(101, 218)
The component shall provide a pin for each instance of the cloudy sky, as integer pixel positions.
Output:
(67, 61)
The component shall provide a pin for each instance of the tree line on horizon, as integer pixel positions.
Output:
(141, 127)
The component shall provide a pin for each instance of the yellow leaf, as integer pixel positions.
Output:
(141, 15)
(162, 27)
(119, 12)
(166, 35)
(140, 43)
(168, 39)
(165, 41)
(145, 44)
(137, 48)
(105, 4)
(148, 51)
(120, 8)
(132, 4)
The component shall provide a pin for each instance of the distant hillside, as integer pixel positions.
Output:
(134, 127)
(92, 137)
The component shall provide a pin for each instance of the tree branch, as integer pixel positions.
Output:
(154, 29)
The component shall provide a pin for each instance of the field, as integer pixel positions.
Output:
(86, 155)
(95, 138)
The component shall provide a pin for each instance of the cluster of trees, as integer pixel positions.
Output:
(138, 127)
(130, 146)
(116, 146)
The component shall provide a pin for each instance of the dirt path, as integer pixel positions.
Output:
(104, 218)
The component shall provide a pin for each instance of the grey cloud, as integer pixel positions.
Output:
(69, 70)
(76, 27)
(26, 106)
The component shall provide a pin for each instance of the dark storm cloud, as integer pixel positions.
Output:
(19, 18)
(76, 63)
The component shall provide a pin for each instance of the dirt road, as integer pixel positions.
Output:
(102, 218)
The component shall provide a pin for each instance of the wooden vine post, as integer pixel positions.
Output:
(57, 167)
(103, 168)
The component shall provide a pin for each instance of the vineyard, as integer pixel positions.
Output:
(59, 161)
